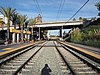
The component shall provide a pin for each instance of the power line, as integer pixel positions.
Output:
(37, 6)
(78, 10)
(60, 8)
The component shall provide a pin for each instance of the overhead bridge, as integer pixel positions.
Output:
(57, 25)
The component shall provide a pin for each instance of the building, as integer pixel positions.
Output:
(15, 34)
(38, 19)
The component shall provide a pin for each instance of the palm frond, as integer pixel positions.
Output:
(3, 11)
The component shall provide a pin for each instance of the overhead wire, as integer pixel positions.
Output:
(38, 6)
(78, 10)
(60, 8)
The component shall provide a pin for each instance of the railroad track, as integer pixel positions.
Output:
(77, 63)
(48, 58)
(16, 63)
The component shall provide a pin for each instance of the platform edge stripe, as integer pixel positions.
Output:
(84, 51)
(17, 49)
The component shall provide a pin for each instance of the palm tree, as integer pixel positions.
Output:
(19, 21)
(8, 12)
(98, 7)
(22, 20)
(31, 23)
(15, 19)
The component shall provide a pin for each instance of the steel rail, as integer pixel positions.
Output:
(67, 64)
(83, 57)
(12, 57)
(18, 54)
(19, 69)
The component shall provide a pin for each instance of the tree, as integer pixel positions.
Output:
(15, 19)
(22, 23)
(93, 18)
(80, 18)
(8, 12)
(98, 7)
(31, 23)
(84, 19)
(19, 21)
(74, 19)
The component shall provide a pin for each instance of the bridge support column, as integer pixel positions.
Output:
(13, 37)
(60, 32)
(17, 38)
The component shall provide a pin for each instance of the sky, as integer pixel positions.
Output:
(52, 10)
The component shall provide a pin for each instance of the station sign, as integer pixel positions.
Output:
(19, 31)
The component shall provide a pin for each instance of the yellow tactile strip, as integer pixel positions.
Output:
(84, 51)
(7, 49)
(3, 54)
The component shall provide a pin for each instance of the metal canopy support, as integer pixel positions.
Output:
(61, 35)
(62, 32)
(39, 33)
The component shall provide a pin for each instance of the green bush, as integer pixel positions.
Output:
(89, 36)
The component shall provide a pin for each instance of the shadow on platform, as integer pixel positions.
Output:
(46, 70)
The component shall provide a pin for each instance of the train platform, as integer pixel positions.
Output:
(11, 48)
(91, 52)
(89, 48)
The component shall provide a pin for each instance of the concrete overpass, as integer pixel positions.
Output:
(56, 25)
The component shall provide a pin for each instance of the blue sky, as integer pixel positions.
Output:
(49, 9)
